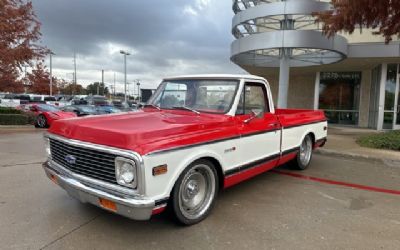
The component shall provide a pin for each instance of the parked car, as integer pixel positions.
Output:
(195, 136)
(81, 110)
(13, 100)
(97, 100)
(125, 107)
(46, 114)
(107, 109)
(7, 100)
(46, 99)
(79, 100)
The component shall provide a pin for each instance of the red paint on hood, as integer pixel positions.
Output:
(147, 131)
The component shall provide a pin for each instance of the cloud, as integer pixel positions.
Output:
(164, 38)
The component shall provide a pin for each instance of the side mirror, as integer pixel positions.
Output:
(34, 109)
(255, 113)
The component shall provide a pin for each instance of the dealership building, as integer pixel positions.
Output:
(353, 78)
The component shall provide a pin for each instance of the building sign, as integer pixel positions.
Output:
(340, 75)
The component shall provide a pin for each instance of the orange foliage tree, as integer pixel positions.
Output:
(19, 32)
(39, 80)
(347, 15)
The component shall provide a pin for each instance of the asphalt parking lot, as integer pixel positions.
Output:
(271, 211)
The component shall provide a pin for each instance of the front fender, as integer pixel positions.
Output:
(177, 161)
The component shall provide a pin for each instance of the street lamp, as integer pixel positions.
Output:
(125, 53)
(138, 87)
(51, 73)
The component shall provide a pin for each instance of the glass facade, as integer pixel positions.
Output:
(390, 96)
(339, 96)
(374, 97)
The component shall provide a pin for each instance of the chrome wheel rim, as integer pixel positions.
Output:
(305, 151)
(196, 191)
(41, 121)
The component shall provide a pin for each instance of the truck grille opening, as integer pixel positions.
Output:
(84, 161)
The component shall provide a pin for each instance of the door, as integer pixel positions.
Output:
(260, 136)
(391, 114)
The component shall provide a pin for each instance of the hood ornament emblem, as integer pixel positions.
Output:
(70, 159)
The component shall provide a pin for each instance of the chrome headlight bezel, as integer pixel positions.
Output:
(47, 147)
(119, 163)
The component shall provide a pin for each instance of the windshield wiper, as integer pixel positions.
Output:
(186, 108)
(151, 105)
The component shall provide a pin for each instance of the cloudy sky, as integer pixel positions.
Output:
(164, 37)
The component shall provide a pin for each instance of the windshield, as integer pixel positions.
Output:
(212, 96)
(50, 108)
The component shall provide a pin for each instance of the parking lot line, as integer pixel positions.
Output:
(337, 183)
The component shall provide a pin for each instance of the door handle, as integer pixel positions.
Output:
(273, 124)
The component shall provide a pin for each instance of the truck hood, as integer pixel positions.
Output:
(146, 131)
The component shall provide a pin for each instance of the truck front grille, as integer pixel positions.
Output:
(84, 161)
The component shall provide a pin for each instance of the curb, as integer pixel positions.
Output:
(352, 156)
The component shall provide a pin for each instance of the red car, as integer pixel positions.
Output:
(45, 114)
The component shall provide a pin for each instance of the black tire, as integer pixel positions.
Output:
(41, 122)
(304, 156)
(189, 187)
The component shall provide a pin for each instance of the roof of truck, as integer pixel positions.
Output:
(218, 76)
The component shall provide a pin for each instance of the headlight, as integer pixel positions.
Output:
(47, 147)
(125, 172)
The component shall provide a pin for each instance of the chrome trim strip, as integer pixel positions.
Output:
(141, 187)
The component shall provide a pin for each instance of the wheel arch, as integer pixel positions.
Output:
(218, 168)
(213, 158)
(312, 135)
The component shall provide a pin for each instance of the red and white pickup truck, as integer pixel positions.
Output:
(196, 135)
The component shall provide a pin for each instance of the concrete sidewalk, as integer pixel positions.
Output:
(342, 143)
(6, 129)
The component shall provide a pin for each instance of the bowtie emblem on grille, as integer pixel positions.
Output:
(70, 159)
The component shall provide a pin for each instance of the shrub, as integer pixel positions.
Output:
(16, 119)
(387, 140)
(4, 110)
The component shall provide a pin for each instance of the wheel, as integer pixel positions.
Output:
(195, 192)
(303, 159)
(41, 121)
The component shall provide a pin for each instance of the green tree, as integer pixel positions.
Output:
(91, 89)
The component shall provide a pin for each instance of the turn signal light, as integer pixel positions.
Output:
(110, 205)
(53, 178)
(160, 170)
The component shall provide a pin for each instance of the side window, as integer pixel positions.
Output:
(253, 97)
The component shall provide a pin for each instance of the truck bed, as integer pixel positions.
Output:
(296, 117)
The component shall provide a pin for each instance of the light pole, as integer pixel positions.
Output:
(138, 88)
(114, 86)
(51, 73)
(102, 83)
(125, 53)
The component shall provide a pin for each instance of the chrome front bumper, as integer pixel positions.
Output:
(131, 206)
